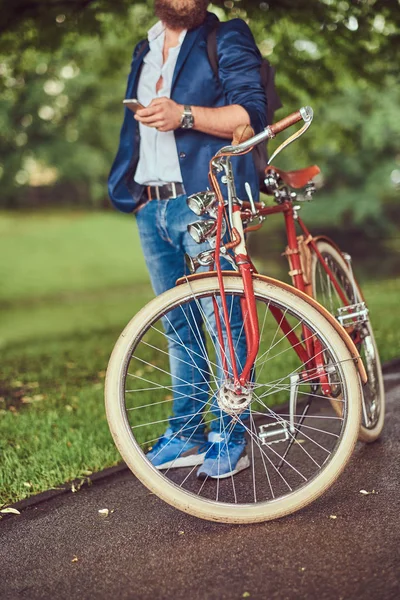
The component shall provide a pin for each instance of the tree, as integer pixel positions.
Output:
(63, 66)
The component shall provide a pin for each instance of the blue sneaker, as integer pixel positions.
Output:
(224, 457)
(170, 452)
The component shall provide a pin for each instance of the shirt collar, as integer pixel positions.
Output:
(158, 29)
(155, 31)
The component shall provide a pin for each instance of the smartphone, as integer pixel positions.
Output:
(133, 104)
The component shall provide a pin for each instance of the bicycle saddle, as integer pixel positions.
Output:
(295, 179)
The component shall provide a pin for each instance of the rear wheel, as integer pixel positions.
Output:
(373, 412)
(290, 466)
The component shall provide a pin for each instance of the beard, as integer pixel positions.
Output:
(181, 14)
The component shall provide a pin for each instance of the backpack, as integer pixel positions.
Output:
(267, 72)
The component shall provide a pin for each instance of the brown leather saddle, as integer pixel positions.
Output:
(295, 179)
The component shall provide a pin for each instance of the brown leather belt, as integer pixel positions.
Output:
(164, 192)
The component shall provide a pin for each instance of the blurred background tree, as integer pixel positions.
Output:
(63, 68)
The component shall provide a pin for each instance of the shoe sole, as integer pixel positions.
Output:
(242, 463)
(192, 460)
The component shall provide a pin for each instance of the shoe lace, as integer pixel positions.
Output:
(167, 439)
(220, 448)
(217, 449)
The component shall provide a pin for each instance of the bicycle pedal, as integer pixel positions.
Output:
(273, 433)
(352, 314)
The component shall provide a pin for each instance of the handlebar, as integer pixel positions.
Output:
(241, 134)
(286, 122)
(244, 138)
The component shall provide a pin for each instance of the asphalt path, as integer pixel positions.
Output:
(346, 545)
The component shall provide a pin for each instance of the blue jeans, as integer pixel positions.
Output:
(164, 237)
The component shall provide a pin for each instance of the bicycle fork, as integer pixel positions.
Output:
(247, 304)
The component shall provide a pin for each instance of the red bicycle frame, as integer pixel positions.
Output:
(309, 350)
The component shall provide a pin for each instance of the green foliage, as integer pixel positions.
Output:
(63, 109)
(63, 69)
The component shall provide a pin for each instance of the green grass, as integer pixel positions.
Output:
(66, 253)
(70, 283)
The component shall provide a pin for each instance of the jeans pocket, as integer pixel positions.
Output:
(141, 207)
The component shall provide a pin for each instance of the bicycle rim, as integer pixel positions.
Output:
(373, 412)
(139, 398)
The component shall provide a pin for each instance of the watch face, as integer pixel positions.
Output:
(187, 118)
(189, 122)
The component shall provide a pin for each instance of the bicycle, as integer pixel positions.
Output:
(301, 413)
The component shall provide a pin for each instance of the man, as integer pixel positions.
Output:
(163, 157)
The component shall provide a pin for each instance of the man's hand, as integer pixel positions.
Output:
(162, 113)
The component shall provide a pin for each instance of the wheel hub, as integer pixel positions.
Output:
(232, 401)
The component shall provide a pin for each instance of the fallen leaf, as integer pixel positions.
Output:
(16, 383)
(10, 511)
(332, 516)
(26, 400)
(181, 532)
(365, 493)
(302, 568)
(246, 595)
(104, 512)
(27, 484)
(73, 488)
(75, 559)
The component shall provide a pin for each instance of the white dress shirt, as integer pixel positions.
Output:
(158, 157)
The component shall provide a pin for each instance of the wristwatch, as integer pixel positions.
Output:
(187, 120)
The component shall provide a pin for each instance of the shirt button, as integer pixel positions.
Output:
(182, 155)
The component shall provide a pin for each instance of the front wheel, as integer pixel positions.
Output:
(373, 413)
(291, 464)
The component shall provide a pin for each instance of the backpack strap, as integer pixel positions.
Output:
(140, 48)
(212, 49)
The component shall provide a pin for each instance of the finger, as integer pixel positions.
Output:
(159, 125)
(147, 112)
(149, 120)
(159, 100)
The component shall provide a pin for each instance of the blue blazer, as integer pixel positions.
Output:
(195, 83)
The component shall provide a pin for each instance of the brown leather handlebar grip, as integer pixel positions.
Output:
(286, 122)
(241, 134)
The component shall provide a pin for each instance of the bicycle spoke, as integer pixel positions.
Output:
(175, 381)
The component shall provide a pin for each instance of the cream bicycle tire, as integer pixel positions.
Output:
(366, 434)
(181, 499)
